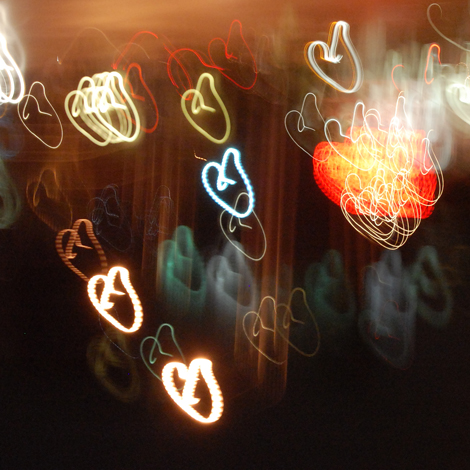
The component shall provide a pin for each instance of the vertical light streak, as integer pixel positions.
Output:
(10, 73)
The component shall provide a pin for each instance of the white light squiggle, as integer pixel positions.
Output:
(301, 127)
(104, 106)
(384, 193)
(24, 117)
(338, 30)
(10, 74)
(232, 229)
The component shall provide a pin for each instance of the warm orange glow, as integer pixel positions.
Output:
(190, 375)
(75, 241)
(362, 177)
(103, 304)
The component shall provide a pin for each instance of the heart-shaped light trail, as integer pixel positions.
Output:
(10, 92)
(24, 116)
(223, 182)
(156, 342)
(186, 400)
(103, 304)
(384, 179)
(74, 240)
(102, 103)
(338, 30)
(198, 105)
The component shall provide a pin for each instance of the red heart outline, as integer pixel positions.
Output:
(234, 53)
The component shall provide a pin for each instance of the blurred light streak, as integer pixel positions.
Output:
(103, 304)
(74, 240)
(223, 182)
(231, 285)
(10, 206)
(157, 342)
(107, 355)
(12, 87)
(387, 323)
(434, 296)
(48, 201)
(181, 274)
(132, 42)
(96, 101)
(197, 104)
(190, 375)
(24, 116)
(339, 30)
(393, 80)
(330, 295)
(109, 219)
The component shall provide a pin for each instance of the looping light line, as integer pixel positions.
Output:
(301, 126)
(24, 117)
(190, 375)
(75, 241)
(287, 319)
(96, 100)
(391, 180)
(223, 182)
(431, 47)
(9, 73)
(156, 342)
(103, 304)
(393, 81)
(198, 105)
(232, 229)
(437, 30)
(339, 30)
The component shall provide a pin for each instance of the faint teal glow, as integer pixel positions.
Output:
(181, 274)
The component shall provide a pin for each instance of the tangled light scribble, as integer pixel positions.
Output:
(385, 180)
(102, 104)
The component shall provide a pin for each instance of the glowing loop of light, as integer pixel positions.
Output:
(390, 178)
(25, 116)
(103, 304)
(156, 342)
(338, 30)
(301, 126)
(96, 100)
(186, 400)
(198, 105)
(75, 241)
(223, 182)
(10, 73)
(287, 319)
(231, 228)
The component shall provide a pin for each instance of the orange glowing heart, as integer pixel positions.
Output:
(103, 304)
(75, 241)
(186, 400)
